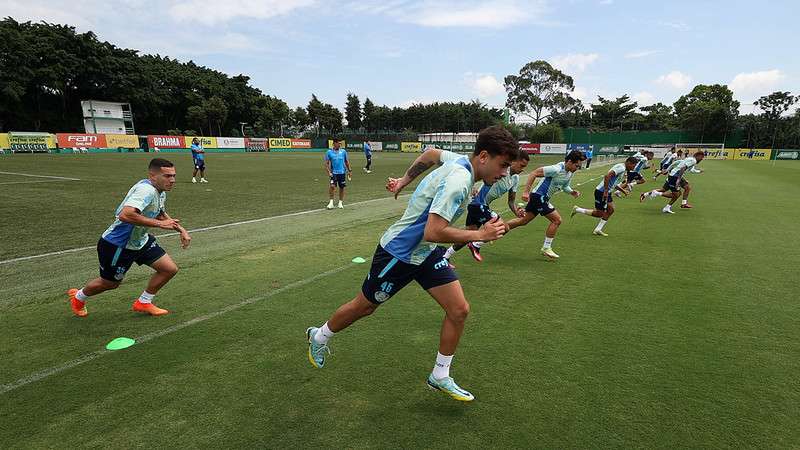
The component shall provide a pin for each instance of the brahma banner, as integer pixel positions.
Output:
(122, 141)
(229, 142)
(66, 140)
(553, 149)
(530, 149)
(301, 143)
(205, 142)
(166, 141)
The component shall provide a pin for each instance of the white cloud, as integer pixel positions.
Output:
(212, 12)
(644, 98)
(582, 94)
(641, 54)
(484, 85)
(450, 13)
(755, 84)
(675, 79)
(574, 62)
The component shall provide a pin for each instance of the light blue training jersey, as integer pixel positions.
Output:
(150, 203)
(443, 192)
(556, 178)
(489, 193)
(679, 167)
(618, 170)
(337, 159)
(642, 162)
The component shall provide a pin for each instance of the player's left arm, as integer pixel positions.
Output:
(186, 238)
(568, 189)
(347, 163)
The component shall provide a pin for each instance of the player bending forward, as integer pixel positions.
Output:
(676, 182)
(603, 200)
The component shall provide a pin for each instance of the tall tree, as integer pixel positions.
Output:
(352, 111)
(611, 114)
(709, 110)
(316, 111)
(539, 90)
(196, 116)
(217, 112)
(369, 115)
(658, 117)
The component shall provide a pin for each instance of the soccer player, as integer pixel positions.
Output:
(588, 154)
(127, 241)
(479, 212)
(675, 182)
(634, 176)
(551, 180)
(667, 161)
(603, 200)
(199, 161)
(337, 165)
(368, 155)
(407, 251)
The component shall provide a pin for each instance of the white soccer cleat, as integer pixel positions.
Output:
(203, 180)
(194, 180)
(340, 205)
(330, 205)
(547, 251)
(599, 233)
(668, 211)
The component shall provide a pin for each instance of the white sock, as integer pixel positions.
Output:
(449, 252)
(477, 244)
(588, 212)
(684, 201)
(600, 225)
(146, 297)
(81, 296)
(323, 334)
(442, 367)
(548, 242)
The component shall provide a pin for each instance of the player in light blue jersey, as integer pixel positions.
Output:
(634, 176)
(666, 161)
(199, 161)
(337, 165)
(479, 211)
(126, 242)
(552, 179)
(408, 251)
(603, 200)
(675, 182)
(368, 156)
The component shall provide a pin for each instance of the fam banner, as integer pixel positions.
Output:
(553, 149)
(205, 142)
(122, 141)
(230, 142)
(66, 140)
(166, 141)
(411, 147)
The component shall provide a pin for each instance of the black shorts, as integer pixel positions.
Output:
(115, 261)
(634, 176)
(664, 165)
(478, 214)
(601, 200)
(200, 164)
(369, 158)
(339, 179)
(539, 205)
(674, 183)
(388, 274)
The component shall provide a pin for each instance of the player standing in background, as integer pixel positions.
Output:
(368, 155)
(127, 241)
(675, 181)
(199, 161)
(338, 167)
(588, 153)
(603, 200)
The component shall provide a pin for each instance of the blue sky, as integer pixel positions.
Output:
(399, 52)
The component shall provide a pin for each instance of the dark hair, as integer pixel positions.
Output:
(195, 140)
(158, 163)
(631, 160)
(497, 141)
(575, 156)
(523, 155)
(699, 152)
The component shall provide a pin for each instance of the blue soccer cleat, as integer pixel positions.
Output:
(449, 387)
(316, 352)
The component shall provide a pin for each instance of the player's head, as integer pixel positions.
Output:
(572, 161)
(495, 150)
(630, 163)
(195, 141)
(520, 163)
(337, 143)
(649, 155)
(699, 155)
(680, 152)
(162, 174)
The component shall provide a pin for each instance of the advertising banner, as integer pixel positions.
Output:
(230, 142)
(376, 146)
(122, 141)
(609, 149)
(758, 154)
(256, 144)
(779, 154)
(66, 140)
(455, 146)
(166, 141)
(553, 149)
(30, 142)
(206, 142)
(581, 147)
(4, 140)
(714, 154)
(301, 143)
(391, 146)
(530, 149)
(411, 147)
(342, 143)
(355, 146)
(280, 143)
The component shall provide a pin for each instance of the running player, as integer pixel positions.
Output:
(126, 241)
(368, 155)
(634, 176)
(603, 200)
(337, 164)
(668, 159)
(675, 182)
(199, 161)
(552, 179)
(408, 251)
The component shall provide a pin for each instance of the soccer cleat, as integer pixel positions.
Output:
(599, 233)
(340, 205)
(148, 308)
(203, 180)
(330, 205)
(316, 352)
(643, 197)
(618, 194)
(687, 206)
(547, 251)
(449, 387)
(574, 211)
(78, 307)
(194, 180)
(369, 171)
(476, 252)
(667, 211)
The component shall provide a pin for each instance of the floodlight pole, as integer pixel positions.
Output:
(242, 124)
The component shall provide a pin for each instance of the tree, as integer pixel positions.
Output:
(610, 114)
(331, 118)
(272, 114)
(352, 112)
(196, 116)
(369, 115)
(216, 112)
(659, 117)
(539, 90)
(315, 110)
(300, 118)
(709, 110)
(548, 133)
(773, 107)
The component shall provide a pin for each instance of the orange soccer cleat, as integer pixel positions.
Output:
(148, 308)
(78, 307)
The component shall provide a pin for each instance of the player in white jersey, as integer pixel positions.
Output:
(127, 241)
(603, 200)
(479, 211)
(551, 180)
(675, 182)
(634, 176)
(666, 161)
(408, 251)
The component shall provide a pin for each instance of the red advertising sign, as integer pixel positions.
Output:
(530, 148)
(166, 141)
(66, 140)
(301, 143)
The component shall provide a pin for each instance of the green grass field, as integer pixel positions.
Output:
(675, 331)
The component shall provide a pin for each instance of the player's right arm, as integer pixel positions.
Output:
(132, 215)
(423, 162)
(537, 173)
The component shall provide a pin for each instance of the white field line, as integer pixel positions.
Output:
(42, 374)
(40, 176)
(33, 182)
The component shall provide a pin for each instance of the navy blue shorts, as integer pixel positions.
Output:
(634, 176)
(200, 164)
(388, 274)
(539, 205)
(339, 179)
(601, 200)
(115, 261)
(675, 183)
(478, 214)
(664, 165)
